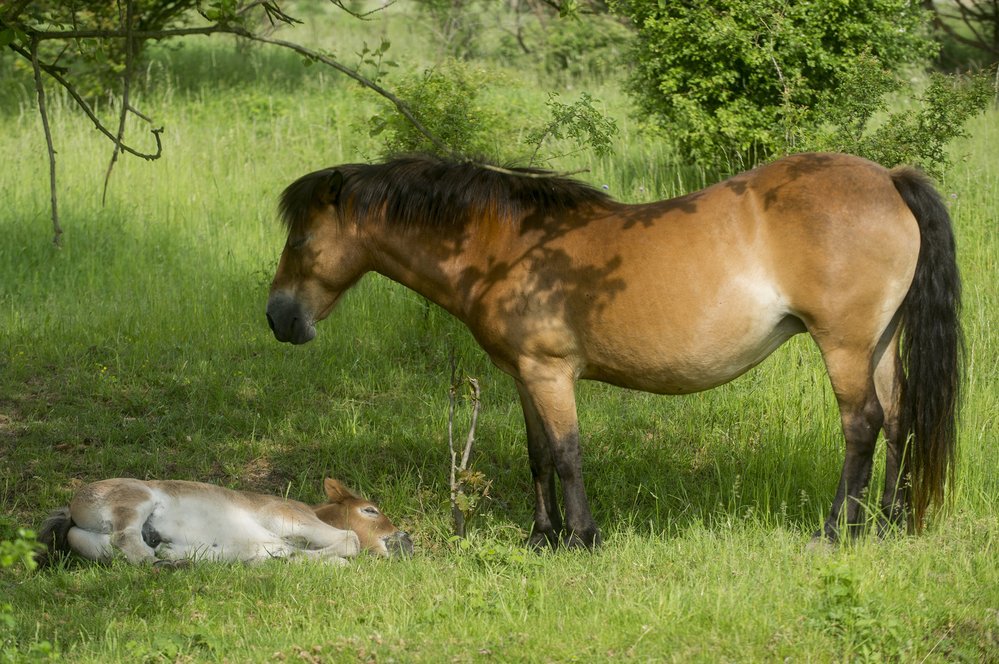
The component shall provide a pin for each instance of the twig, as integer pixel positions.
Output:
(400, 105)
(476, 406)
(40, 90)
(528, 174)
(458, 468)
(54, 73)
(126, 84)
(457, 517)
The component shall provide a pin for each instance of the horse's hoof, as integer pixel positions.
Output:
(586, 540)
(820, 543)
(543, 540)
(889, 528)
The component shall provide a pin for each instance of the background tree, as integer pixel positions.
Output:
(107, 36)
(738, 81)
(973, 24)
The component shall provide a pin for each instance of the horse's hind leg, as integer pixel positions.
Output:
(850, 373)
(887, 381)
(547, 518)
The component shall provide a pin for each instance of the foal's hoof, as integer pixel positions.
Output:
(182, 563)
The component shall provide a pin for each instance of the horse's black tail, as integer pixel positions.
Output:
(932, 348)
(53, 534)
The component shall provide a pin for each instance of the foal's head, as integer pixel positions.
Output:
(348, 511)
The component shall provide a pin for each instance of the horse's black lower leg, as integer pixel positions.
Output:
(895, 499)
(580, 528)
(860, 428)
(551, 390)
(547, 528)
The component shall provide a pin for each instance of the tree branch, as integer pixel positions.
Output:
(330, 62)
(126, 85)
(40, 90)
(239, 31)
(56, 74)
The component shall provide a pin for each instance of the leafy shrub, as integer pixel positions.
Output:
(581, 47)
(741, 80)
(917, 136)
(95, 65)
(580, 121)
(446, 101)
(450, 101)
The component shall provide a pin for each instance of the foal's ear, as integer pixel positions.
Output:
(329, 190)
(336, 491)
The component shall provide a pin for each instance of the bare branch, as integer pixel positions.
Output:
(363, 15)
(56, 73)
(241, 32)
(48, 35)
(476, 406)
(330, 62)
(40, 90)
(527, 174)
(125, 89)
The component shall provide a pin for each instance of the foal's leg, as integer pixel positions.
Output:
(92, 520)
(861, 417)
(552, 391)
(547, 517)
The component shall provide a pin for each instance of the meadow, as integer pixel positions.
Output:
(140, 349)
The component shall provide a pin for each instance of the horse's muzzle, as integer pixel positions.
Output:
(398, 544)
(288, 319)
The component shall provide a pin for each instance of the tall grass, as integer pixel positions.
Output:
(140, 349)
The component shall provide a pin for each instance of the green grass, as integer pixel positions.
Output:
(140, 349)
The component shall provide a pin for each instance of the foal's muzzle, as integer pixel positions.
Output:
(289, 320)
(398, 544)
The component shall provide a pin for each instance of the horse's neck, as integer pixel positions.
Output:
(436, 264)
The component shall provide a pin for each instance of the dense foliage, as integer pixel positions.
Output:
(94, 64)
(739, 80)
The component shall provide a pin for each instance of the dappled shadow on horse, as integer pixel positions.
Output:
(174, 522)
(558, 282)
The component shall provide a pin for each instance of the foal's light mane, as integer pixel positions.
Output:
(431, 192)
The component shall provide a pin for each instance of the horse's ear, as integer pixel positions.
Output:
(336, 491)
(329, 191)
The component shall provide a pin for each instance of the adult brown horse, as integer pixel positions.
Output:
(559, 282)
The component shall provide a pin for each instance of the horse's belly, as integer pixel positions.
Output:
(676, 353)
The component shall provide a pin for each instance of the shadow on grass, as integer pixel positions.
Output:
(146, 357)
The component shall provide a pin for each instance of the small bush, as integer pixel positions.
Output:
(737, 81)
(917, 136)
(446, 101)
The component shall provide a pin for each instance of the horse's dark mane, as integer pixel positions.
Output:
(422, 191)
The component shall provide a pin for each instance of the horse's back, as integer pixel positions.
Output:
(685, 294)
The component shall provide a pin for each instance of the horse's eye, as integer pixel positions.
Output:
(298, 242)
(370, 511)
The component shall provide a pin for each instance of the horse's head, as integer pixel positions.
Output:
(348, 511)
(321, 259)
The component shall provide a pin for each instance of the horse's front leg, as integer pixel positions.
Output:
(547, 526)
(552, 390)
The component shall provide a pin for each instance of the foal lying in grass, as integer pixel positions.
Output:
(171, 522)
